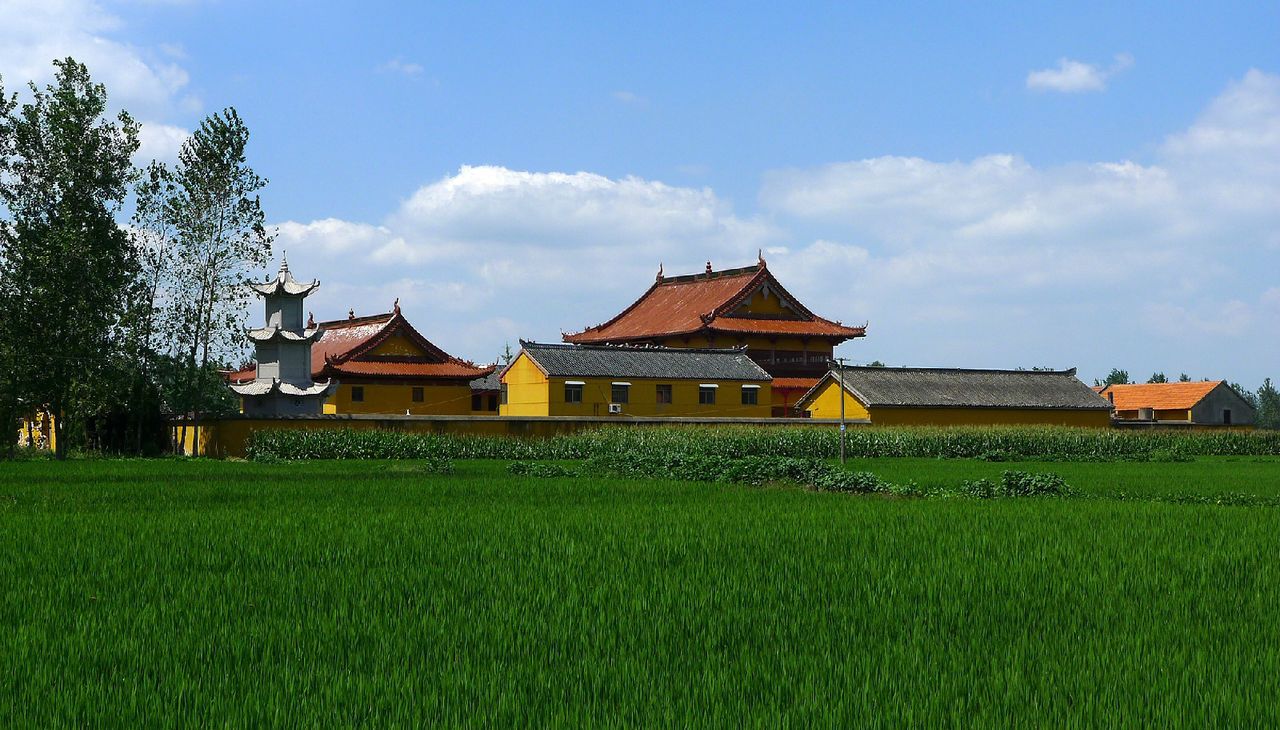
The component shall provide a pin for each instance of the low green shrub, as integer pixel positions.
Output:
(540, 470)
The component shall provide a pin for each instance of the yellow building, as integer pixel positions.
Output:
(585, 380)
(743, 307)
(951, 397)
(383, 365)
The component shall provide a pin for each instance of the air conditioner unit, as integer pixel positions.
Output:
(615, 408)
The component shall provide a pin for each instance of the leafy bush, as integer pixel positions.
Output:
(1016, 484)
(536, 469)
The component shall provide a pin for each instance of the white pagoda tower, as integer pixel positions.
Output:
(282, 384)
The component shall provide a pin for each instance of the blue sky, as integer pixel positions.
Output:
(997, 186)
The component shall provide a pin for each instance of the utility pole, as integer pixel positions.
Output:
(839, 361)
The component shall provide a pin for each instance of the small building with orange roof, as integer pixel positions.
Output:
(743, 307)
(1202, 402)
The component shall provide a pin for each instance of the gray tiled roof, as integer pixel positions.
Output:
(958, 388)
(604, 361)
(488, 382)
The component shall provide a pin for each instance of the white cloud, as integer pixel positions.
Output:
(159, 142)
(1072, 76)
(996, 261)
(1164, 264)
(548, 251)
(398, 66)
(35, 32)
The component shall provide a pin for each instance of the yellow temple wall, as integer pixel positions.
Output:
(396, 398)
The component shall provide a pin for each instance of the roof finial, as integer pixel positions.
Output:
(284, 262)
(396, 307)
(760, 256)
(659, 278)
(708, 268)
(311, 320)
(351, 314)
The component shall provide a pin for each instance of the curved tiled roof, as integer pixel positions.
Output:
(264, 387)
(686, 304)
(284, 283)
(1160, 396)
(344, 345)
(266, 334)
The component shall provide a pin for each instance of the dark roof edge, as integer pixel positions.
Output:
(526, 344)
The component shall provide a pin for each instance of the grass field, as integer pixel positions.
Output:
(318, 593)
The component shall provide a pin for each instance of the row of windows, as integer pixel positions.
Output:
(621, 393)
(479, 401)
(357, 394)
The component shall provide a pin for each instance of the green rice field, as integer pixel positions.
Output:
(324, 593)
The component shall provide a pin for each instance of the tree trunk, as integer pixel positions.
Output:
(59, 430)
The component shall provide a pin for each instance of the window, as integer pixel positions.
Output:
(707, 394)
(357, 394)
(477, 401)
(750, 395)
(418, 395)
(1226, 416)
(573, 391)
(503, 395)
(664, 393)
(493, 402)
(621, 393)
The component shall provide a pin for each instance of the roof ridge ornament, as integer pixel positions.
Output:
(351, 314)
(659, 278)
(760, 257)
(311, 320)
(395, 308)
(708, 269)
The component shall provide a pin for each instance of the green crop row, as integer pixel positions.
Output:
(993, 444)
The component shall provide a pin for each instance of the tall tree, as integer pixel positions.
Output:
(1157, 378)
(1268, 406)
(66, 260)
(220, 238)
(153, 235)
(9, 383)
(1184, 378)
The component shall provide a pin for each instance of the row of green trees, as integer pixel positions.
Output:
(1265, 400)
(110, 327)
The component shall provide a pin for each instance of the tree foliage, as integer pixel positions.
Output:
(1115, 377)
(1157, 378)
(67, 265)
(1268, 415)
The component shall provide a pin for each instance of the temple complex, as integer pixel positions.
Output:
(282, 383)
(384, 365)
(732, 308)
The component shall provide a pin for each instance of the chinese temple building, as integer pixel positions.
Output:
(282, 383)
(384, 365)
(732, 308)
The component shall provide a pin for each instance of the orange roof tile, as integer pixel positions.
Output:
(1160, 396)
(686, 304)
